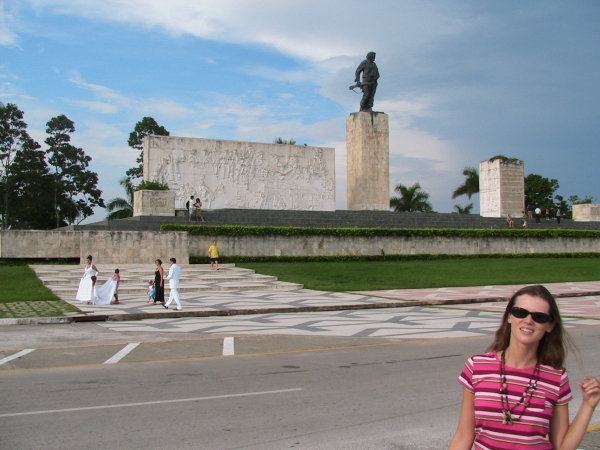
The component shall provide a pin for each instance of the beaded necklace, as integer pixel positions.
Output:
(507, 412)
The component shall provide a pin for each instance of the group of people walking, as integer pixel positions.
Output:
(89, 293)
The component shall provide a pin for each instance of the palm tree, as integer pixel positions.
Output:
(121, 208)
(466, 210)
(283, 141)
(411, 199)
(471, 184)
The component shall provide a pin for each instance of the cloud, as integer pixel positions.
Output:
(7, 35)
(310, 29)
(111, 101)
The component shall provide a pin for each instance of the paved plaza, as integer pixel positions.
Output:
(395, 323)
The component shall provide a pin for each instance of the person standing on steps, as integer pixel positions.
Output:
(538, 213)
(213, 254)
(173, 277)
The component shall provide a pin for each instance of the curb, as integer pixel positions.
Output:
(36, 321)
(254, 311)
(298, 309)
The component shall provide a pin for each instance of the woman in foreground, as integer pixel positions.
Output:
(516, 395)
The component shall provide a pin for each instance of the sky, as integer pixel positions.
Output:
(462, 81)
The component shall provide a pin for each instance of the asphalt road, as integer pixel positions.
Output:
(393, 395)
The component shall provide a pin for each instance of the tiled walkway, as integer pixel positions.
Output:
(399, 323)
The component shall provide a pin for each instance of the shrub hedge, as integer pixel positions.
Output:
(235, 230)
(424, 257)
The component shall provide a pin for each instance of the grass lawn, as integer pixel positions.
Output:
(22, 294)
(362, 275)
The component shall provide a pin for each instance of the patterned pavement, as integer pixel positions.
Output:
(396, 323)
(482, 292)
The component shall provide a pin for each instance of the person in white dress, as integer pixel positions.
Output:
(87, 285)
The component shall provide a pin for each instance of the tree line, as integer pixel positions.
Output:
(43, 188)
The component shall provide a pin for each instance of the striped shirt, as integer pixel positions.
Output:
(481, 376)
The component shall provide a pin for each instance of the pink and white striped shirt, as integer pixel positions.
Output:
(481, 376)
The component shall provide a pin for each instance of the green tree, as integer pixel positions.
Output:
(411, 199)
(146, 126)
(575, 200)
(32, 199)
(565, 208)
(14, 139)
(74, 186)
(283, 141)
(539, 191)
(470, 185)
(466, 210)
(121, 208)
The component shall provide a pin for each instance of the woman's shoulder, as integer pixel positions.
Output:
(483, 359)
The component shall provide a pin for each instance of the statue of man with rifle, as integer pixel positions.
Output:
(368, 84)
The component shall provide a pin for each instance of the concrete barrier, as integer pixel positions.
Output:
(141, 247)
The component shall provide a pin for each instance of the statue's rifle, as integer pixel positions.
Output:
(357, 85)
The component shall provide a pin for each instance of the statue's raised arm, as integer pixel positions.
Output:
(368, 84)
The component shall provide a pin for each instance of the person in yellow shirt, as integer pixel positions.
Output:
(213, 254)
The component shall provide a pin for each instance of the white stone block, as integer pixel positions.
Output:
(154, 203)
(501, 188)
(587, 212)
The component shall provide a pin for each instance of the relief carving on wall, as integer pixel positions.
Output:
(228, 174)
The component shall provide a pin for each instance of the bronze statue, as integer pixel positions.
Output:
(368, 85)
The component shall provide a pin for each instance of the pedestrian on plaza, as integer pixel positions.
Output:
(87, 286)
(530, 211)
(558, 214)
(151, 292)
(524, 216)
(191, 207)
(173, 277)
(109, 290)
(159, 283)
(198, 206)
(516, 394)
(538, 213)
(213, 254)
(548, 214)
(510, 221)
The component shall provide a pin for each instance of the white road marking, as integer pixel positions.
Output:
(16, 355)
(158, 402)
(228, 348)
(121, 354)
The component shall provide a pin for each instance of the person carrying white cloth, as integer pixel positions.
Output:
(173, 277)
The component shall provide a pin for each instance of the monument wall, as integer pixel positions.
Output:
(501, 188)
(143, 247)
(390, 245)
(248, 175)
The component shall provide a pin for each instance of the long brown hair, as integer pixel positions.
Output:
(552, 349)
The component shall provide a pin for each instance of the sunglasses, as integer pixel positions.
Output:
(539, 317)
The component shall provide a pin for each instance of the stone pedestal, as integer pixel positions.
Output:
(587, 212)
(501, 188)
(154, 203)
(368, 150)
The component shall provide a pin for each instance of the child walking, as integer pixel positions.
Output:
(151, 292)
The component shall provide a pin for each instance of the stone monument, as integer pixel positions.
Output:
(368, 150)
(247, 175)
(153, 203)
(368, 146)
(501, 187)
(586, 212)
